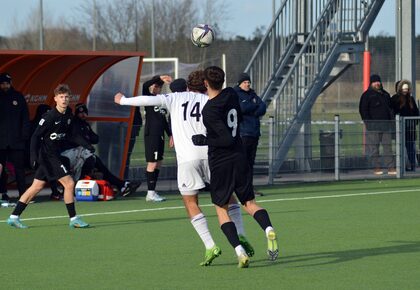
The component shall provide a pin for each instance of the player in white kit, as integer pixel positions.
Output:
(193, 170)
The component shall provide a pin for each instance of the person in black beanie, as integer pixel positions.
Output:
(178, 85)
(376, 112)
(15, 130)
(253, 108)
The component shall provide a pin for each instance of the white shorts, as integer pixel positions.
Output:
(192, 176)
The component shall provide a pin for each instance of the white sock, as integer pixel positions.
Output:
(234, 212)
(151, 192)
(239, 250)
(126, 184)
(199, 223)
(12, 216)
(267, 230)
(73, 218)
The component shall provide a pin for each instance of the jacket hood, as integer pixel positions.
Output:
(401, 83)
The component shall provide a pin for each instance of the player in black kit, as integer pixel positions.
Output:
(46, 143)
(229, 169)
(154, 139)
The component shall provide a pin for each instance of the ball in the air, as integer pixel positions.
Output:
(202, 35)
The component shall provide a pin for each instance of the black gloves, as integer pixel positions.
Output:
(199, 140)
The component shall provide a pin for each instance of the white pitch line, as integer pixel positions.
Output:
(209, 205)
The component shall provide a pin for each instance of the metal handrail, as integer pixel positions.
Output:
(303, 67)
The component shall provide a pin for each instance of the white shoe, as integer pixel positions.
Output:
(153, 196)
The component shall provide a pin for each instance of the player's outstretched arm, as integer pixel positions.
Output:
(159, 100)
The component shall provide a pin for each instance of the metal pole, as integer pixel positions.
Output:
(94, 26)
(176, 73)
(274, 9)
(337, 147)
(41, 25)
(270, 150)
(398, 144)
(405, 58)
(136, 32)
(224, 68)
(152, 31)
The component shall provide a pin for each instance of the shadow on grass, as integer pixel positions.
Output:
(327, 258)
(335, 257)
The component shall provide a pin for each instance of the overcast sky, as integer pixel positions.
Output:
(246, 15)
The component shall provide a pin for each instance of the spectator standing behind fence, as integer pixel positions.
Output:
(376, 111)
(253, 108)
(405, 105)
(14, 131)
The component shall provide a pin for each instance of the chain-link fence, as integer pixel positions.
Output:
(324, 151)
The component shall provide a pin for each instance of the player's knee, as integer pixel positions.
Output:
(251, 207)
(68, 184)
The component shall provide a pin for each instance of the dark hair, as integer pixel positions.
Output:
(178, 85)
(40, 111)
(62, 89)
(215, 76)
(81, 108)
(396, 86)
(196, 81)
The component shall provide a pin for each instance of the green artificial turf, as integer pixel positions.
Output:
(328, 240)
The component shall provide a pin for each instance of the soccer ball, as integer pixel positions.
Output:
(202, 35)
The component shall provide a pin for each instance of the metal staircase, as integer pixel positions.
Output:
(309, 44)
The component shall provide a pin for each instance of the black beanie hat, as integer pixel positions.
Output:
(81, 108)
(5, 78)
(243, 77)
(157, 81)
(375, 78)
(178, 85)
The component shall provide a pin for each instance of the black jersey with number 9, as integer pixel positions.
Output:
(221, 116)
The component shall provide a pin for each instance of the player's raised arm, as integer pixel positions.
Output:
(158, 100)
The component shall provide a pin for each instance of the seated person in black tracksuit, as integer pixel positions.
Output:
(81, 128)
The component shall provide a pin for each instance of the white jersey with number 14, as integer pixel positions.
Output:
(186, 120)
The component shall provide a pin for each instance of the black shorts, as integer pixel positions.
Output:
(154, 147)
(51, 168)
(228, 177)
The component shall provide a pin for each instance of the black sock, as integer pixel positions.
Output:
(262, 218)
(151, 180)
(71, 209)
(231, 234)
(20, 207)
(157, 171)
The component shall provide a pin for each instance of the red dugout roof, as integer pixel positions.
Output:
(37, 73)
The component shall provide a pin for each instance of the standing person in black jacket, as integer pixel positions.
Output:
(405, 105)
(376, 112)
(252, 108)
(154, 139)
(14, 131)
